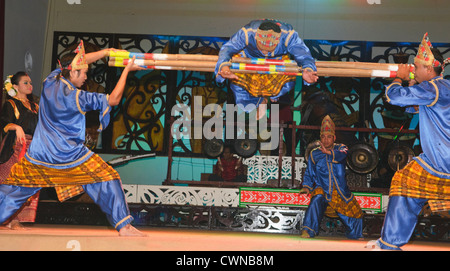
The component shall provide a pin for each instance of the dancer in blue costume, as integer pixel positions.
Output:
(426, 179)
(325, 180)
(269, 39)
(57, 156)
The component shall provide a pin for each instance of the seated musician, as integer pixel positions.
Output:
(228, 168)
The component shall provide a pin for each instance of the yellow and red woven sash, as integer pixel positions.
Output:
(263, 85)
(351, 209)
(415, 182)
(67, 182)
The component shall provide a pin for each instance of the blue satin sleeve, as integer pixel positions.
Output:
(60, 132)
(90, 101)
(328, 172)
(339, 153)
(235, 45)
(300, 52)
(310, 173)
(423, 94)
(434, 118)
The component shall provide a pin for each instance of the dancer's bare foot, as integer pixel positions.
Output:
(15, 225)
(129, 230)
(305, 234)
(373, 245)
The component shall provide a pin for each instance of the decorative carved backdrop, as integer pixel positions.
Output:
(140, 123)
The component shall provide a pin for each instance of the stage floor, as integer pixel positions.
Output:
(99, 238)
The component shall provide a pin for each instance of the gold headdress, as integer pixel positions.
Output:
(327, 127)
(424, 55)
(79, 61)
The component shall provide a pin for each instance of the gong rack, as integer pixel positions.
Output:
(278, 184)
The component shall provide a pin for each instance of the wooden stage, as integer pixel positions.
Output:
(101, 238)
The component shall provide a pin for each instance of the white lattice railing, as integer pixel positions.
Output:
(263, 168)
(182, 195)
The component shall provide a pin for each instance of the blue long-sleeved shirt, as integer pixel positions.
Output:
(328, 172)
(433, 99)
(60, 132)
(244, 42)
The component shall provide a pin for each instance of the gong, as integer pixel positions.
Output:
(311, 146)
(362, 158)
(245, 147)
(213, 148)
(399, 156)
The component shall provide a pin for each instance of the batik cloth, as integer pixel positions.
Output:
(350, 209)
(414, 181)
(263, 85)
(349, 214)
(67, 182)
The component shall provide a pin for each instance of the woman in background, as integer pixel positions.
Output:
(18, 120)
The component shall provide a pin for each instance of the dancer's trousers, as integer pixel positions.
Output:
(314, 215)
(108, 195)
(399, 222)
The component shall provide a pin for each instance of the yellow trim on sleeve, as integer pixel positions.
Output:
(437, 94)
(246, 35)
(387, 89)
(6, 129)
(291, 32)
(78, 102)
(220, 67)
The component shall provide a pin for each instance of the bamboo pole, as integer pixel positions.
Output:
(173, 63)
(113, 63)
(178, 68)
(336, 72)
(357, 65)
(259, 61)
(192, 57)
(355, 73)
(152, 56)
(207, 63)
